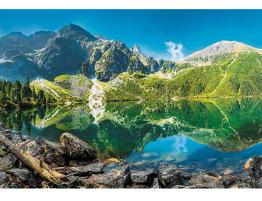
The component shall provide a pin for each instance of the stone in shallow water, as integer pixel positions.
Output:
(7, 162)
(228, 172)
(94, 168)
(143, 177)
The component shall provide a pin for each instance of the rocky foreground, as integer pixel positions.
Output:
(80, 166)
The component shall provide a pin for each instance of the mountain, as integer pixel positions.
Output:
(227, 68)
(209, 55)
(224, 69)
(49, 54)
(15, 51)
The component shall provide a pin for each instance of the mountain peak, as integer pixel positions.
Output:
(16, 35)
(207, 55)
(74, 32)
(136, 50)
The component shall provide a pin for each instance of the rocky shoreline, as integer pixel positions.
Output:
(82, 167)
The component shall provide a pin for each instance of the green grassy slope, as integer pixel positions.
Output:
(53, 90)
(79, 85)
(230, 75)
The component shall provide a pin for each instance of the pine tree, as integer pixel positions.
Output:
(17, 92)
(27, 92)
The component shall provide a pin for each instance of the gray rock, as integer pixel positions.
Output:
(140, 186)
(22, 174)
(76, 148)
(3, 151)
(53, 153)
(228, 172)
(254, 167)
(170, 176)
(117, 178)
(94, 168)
(31, 146)
(16, 138)
(7, 162)
(203, 180)
(4, 178)
(155, 183)
(143, 177)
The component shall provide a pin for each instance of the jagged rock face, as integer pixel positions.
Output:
(112, 62)
(165, 65)
(135, 65)
(40, 38)
(60, 56)
(49, 54)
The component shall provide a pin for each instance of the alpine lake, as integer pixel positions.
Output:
(211, 135)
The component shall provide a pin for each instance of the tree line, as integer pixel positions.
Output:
(16, 94)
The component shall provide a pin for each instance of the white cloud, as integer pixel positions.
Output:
(175, 50)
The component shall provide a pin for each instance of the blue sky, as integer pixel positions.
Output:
(153, 30)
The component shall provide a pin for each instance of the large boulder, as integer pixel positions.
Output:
(205, 180)
(94, 168)
(76, 148)
(143, 177)
(170, 176)
(254, 168)
(116, 178)
(53, 153)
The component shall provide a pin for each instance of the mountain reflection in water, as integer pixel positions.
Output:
(210, 134)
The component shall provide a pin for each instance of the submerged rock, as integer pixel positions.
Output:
(76, 148)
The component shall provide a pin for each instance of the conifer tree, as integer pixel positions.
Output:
(27, 92)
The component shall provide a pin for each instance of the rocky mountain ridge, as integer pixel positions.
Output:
(69, 51)
(209, 54)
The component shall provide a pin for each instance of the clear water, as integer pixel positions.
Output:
(207, 135)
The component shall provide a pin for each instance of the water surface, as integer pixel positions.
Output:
(204, 135)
